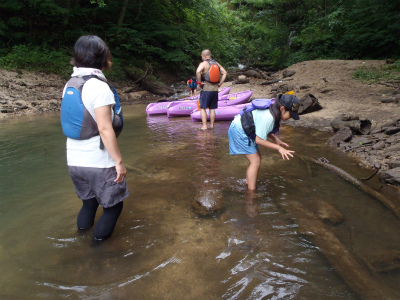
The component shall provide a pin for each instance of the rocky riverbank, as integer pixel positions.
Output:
(328, 81)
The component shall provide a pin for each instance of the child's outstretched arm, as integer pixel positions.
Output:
(277, 140)
(267, 144)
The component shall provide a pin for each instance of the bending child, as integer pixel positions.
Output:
(266, 123)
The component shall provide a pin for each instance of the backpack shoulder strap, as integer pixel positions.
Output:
(118, 120)
(118, 108)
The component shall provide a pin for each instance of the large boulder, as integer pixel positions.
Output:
(253, 73)
(241, 79)
(308, 103)
(288, 73)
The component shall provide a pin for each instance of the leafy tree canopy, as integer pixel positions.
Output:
(170, 35)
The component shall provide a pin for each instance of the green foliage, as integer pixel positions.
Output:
(373, 74)
(170, 35)
(37, 58)
(101, 3)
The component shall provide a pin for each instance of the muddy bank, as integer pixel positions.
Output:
(23, 92)
(329, 81)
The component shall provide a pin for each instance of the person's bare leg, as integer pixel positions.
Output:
(212, 118)
(203, 115)
(252, 170)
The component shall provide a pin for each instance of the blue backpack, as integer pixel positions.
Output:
(247, 117)
(76, 121)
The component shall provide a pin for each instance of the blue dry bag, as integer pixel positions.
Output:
(76, 121)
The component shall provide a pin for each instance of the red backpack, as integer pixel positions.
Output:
(213, 73)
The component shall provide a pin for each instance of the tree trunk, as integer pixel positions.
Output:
(122, 13)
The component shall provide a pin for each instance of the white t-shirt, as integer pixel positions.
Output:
(87, 153)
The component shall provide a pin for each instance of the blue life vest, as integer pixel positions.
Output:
(246, 117)
(193, 84)
(76, 121)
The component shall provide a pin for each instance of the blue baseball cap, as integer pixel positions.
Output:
(292, 104)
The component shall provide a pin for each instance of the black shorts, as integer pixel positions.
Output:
(209, 99)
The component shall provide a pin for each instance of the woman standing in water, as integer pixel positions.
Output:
(266, 123)
(93, 157)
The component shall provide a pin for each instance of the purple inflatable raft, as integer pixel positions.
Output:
(159, 108)
(226, 113)
(183, 109)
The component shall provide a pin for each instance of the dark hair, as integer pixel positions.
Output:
(275, 110)
(90, 51)
(194, 78)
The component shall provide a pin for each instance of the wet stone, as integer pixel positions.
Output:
(208, 202)
(391, 176)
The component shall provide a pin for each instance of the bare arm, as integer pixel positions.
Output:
(223, 73)
(199, 71)
(277, 140)
(107, 134)
(267, 144)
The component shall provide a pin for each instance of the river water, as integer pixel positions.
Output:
(161, 249)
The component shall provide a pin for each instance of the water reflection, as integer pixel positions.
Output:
(208, 198)
(161, 248)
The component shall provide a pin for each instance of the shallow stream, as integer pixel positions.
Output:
(160, 248)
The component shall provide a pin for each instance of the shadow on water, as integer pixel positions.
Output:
(257, 246)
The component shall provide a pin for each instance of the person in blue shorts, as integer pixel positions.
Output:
(210, 75)
(266, 122)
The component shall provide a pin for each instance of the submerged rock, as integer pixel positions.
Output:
(327, 212)
(207, 202)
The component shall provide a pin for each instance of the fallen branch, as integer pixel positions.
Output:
(148, 68)
(365, 284)
(380, 197)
